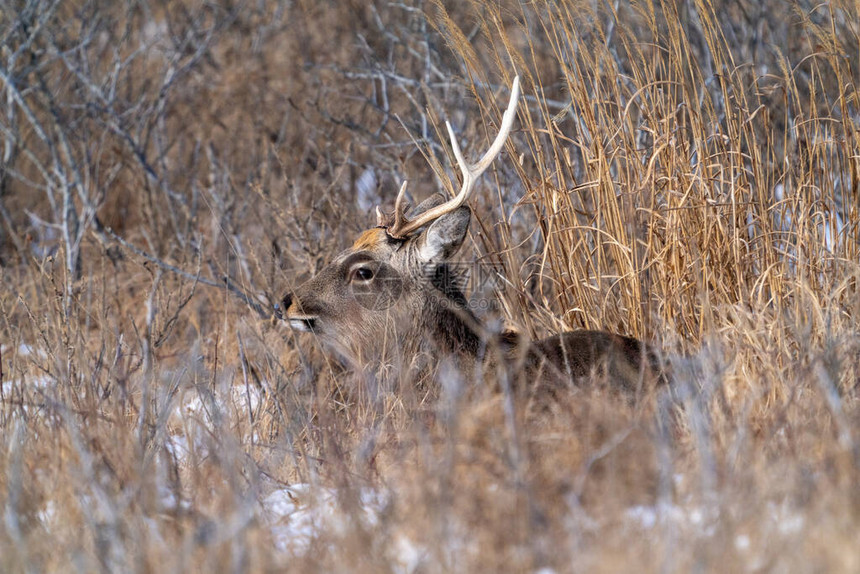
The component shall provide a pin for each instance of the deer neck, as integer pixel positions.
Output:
(449, 322)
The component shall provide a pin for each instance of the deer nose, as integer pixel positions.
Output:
(282, 307)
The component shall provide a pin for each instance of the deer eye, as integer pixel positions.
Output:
(362, 274)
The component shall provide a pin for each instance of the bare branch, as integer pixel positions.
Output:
(400, 227)
(105, 233)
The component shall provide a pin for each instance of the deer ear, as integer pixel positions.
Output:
(444, 236)
(429, 203)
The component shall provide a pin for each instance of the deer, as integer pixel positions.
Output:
(393, 289)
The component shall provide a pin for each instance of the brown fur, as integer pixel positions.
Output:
(369, 239)
(411, 314)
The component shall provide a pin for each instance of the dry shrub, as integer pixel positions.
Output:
(686, 172)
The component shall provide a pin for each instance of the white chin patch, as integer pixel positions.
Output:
(302, 324)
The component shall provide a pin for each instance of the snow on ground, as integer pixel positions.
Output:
(23, 350)
(295, 515)
(35, 382)
(301, 513)
(239, 397)
(29, 382)
(701, 521)
(301, 516)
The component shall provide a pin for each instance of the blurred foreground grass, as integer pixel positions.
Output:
(686, 172)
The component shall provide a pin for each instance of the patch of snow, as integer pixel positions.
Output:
(300, 513)
(170, 500)
(780, 520)
(240, 398)
(40, 382)
(47, 514)
(409, 555)
(35, 382)
(697, 518)
(787, 520)
(309, 511)
(23, 350)
(246, 397)
(643, 516)
(193, 406)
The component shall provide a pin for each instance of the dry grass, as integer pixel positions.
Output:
(686, 172)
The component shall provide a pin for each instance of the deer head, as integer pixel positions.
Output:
(393, 287)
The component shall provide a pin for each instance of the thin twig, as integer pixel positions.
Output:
(225, 282)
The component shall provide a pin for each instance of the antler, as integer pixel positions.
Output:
(400, 227)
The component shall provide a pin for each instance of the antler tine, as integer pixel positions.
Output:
(399, 216)
(399, 207)
(402, 227)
